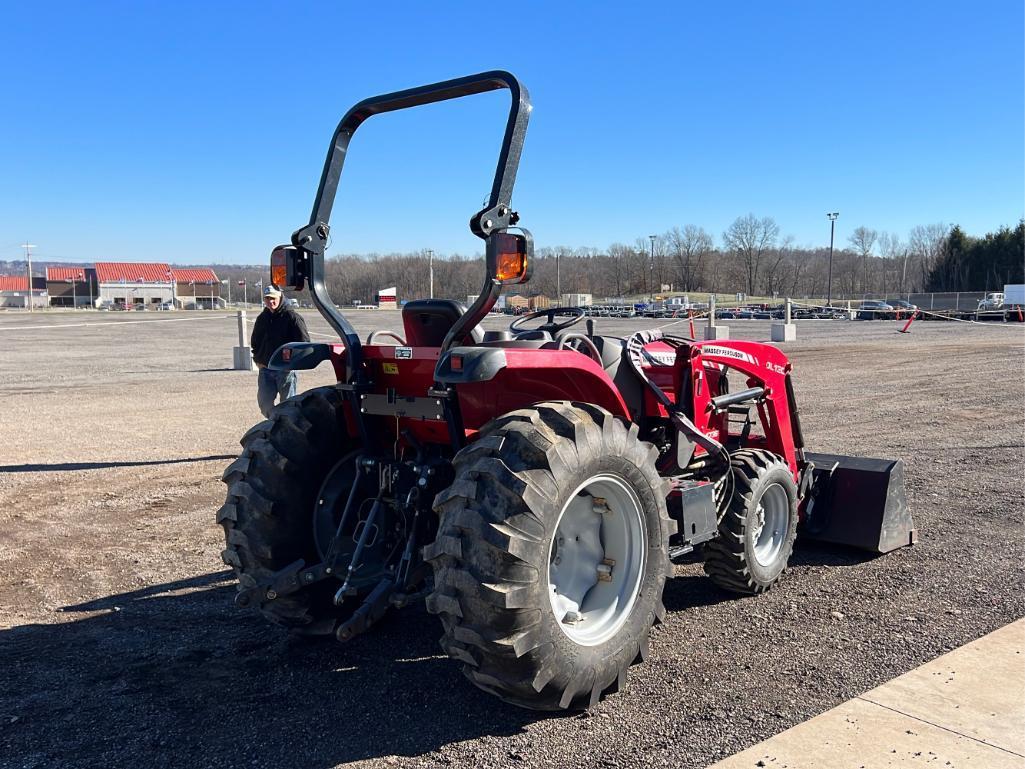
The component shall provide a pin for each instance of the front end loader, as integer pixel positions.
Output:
(532, 486)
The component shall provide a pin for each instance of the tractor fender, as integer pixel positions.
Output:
(298, 356)
(474, 364)
(495, 380)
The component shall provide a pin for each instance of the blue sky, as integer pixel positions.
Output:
(195, 132)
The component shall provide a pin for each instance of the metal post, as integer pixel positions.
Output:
(829, 284)
(241, 328)
(711, 311)
(651, 275)
(786, 312)
(74, 294)
(430, 273)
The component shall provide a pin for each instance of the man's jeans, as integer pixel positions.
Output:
(271, 384)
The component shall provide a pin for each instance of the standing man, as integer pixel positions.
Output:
(275, 326)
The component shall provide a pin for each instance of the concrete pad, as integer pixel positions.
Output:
(964, 709)
(717, 332)
(977, 690)
(783, 332)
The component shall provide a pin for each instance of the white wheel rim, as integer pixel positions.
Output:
(772, 520)
(596, 559)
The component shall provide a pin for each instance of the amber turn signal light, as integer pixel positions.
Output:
(511, 267)
(509, 256)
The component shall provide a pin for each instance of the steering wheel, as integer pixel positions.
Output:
(551, 326)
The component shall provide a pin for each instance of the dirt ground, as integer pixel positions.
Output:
(121, 646)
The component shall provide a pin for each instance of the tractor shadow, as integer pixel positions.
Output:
(175, 675)
(692, 588)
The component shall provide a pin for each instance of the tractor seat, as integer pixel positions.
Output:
(614, 361)
(428, 321)
(611, 349)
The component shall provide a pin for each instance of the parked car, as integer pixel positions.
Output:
(872, 309)
(903, 307)
(993, 301)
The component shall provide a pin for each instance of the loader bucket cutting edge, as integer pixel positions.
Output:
(860, 502)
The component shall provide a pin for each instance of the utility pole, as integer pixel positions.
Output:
(829, 281)
(651, 275)
(430, 273)
(28, 257)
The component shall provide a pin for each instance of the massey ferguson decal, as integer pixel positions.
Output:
(728, 352)
(660, 358)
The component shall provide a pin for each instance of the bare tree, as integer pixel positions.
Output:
(750, 238)
(689, 249)
(925, 245)
(618, 268)
(863, 240)
(779, 266)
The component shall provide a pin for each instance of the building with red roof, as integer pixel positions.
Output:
(127, 284)
(71, 286)
(155, 284)
(14, 292)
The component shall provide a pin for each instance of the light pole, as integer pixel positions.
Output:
(170, 281)
(430, 273)
(74, 297)
(28, 258)
(829, 281)
(651, 275)
(558, 278)
(904, 273)
(228, 284)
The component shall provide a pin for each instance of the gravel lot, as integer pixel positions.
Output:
(121, 646)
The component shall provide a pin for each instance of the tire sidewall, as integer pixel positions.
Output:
(778, 475)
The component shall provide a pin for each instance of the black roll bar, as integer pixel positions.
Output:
(497, 214)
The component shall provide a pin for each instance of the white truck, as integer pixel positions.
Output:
(1006, 303)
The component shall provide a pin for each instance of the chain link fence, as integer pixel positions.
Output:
(967, 301)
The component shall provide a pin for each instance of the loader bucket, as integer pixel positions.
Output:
(860, 502)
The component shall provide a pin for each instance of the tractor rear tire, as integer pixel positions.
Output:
(758, 527)
(272, 492)
(551, 555)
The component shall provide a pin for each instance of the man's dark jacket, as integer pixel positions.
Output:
(274, 328)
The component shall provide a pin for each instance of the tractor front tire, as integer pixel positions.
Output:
(268, 516)
(551, 555)
(758, 527)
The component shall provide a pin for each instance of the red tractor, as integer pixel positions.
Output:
(533, 485)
